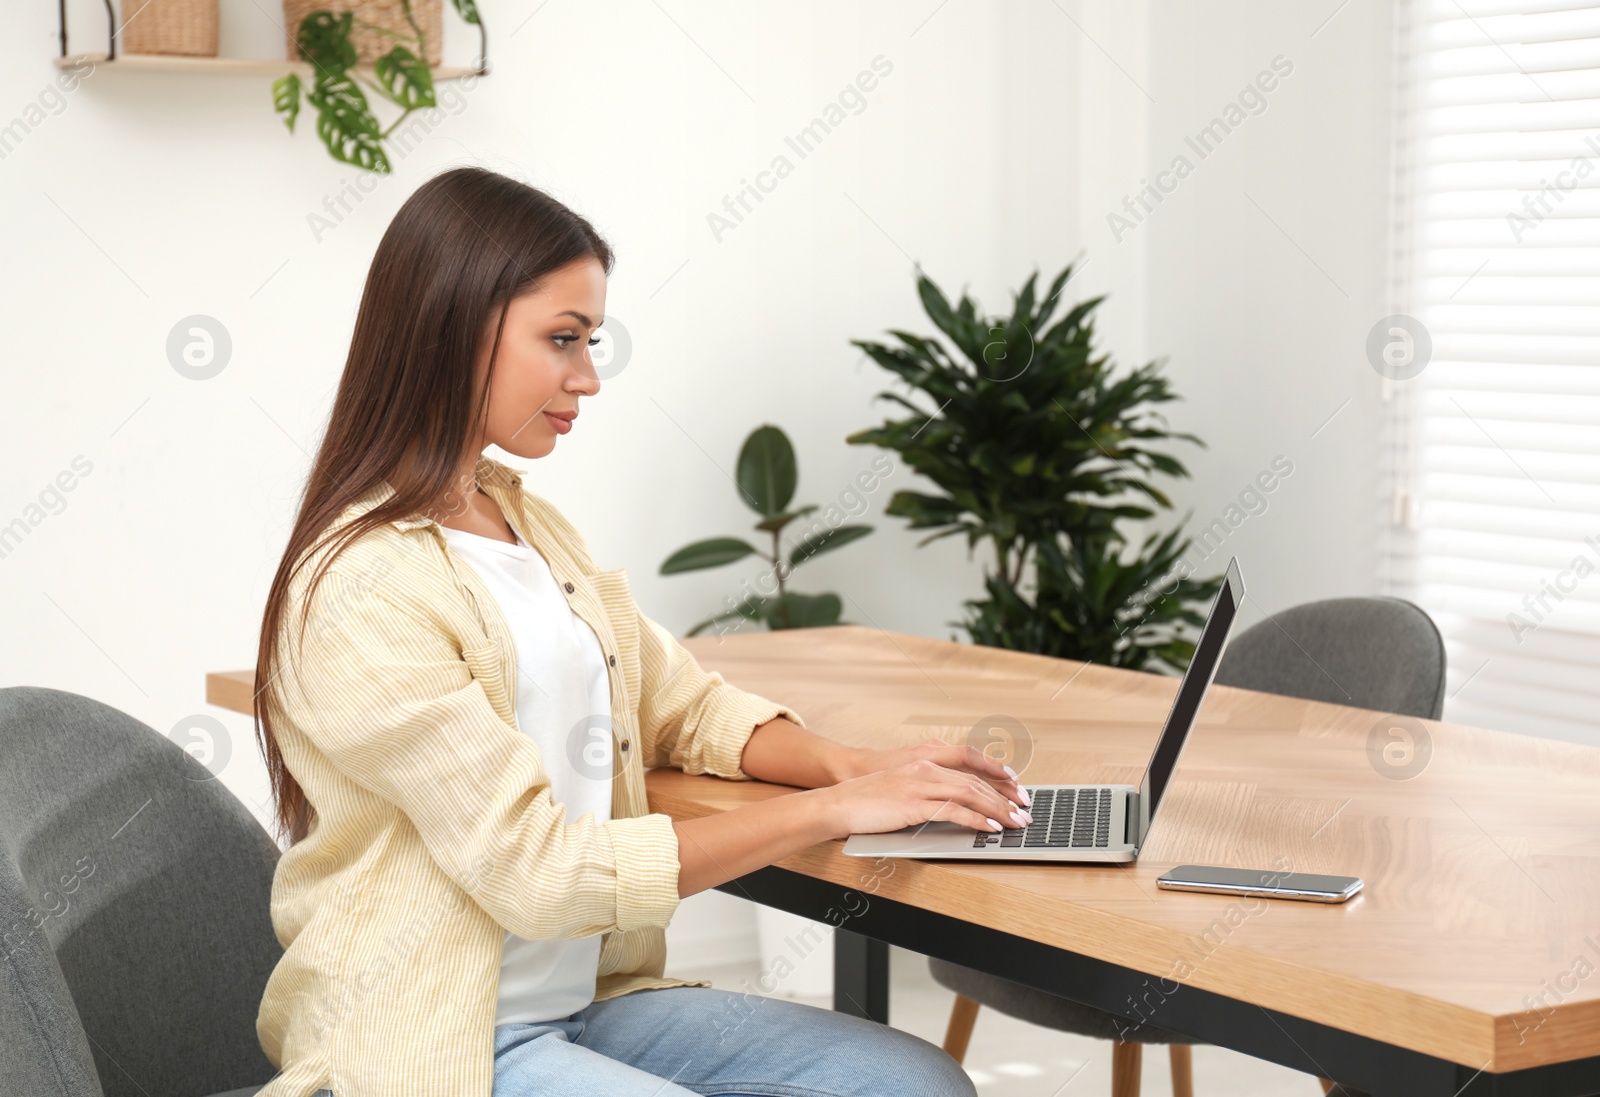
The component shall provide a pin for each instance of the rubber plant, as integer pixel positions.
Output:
(766, 478)
(1041, 447)
(345, 121)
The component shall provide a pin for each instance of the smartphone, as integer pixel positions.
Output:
(1269, 883)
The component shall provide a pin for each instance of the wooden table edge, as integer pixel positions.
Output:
(1458, 1034)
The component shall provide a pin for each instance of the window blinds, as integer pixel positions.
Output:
(1492, 511)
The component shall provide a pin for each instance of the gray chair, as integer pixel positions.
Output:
(1376, 653)
(1383, 654)
(135, 929)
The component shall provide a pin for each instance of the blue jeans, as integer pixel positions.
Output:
(695, 1040)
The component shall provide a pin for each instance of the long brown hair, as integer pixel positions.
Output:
(408, 406)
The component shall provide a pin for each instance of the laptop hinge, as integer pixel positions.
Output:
(1130, 825)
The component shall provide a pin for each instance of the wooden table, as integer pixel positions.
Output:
(1470, 965)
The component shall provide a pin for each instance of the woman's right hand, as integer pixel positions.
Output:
(914, 793)
(723, 846)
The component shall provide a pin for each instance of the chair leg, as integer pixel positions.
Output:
(1182, 1070)
(958, 1034)
(1125, 1062)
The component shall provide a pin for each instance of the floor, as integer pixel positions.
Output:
(1017, 1059)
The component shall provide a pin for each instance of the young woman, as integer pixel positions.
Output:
(457, 707)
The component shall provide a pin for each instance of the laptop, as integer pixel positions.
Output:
(1083, 822)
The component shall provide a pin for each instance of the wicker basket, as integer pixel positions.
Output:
(369, 44)
(186, 27)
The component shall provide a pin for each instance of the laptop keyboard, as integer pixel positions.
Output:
(1067, 818)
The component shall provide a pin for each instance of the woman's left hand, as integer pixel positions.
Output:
(967, 759)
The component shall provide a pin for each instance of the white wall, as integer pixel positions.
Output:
(1001, 138)
(1267, 266)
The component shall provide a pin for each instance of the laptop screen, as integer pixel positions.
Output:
(1186, 705)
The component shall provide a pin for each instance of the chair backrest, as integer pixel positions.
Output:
(1377, 653)
(135, 928)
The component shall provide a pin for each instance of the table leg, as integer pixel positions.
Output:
(860, 976)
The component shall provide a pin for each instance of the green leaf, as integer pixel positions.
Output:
(346, 124)
(937, 306)
(324, 40)
(1051, 299)
(710, 553)
(766, 471)
(468, 10)
(405, 79)
(778, 521)
(924, 510)
(1022, 312)
(286, 98)
(826, 541)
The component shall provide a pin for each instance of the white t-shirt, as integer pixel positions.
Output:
(564, 704)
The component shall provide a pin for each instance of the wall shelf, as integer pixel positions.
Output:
(226, 66)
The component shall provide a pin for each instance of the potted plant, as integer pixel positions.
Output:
(1040, 447)
(766, 477)
(345, 121)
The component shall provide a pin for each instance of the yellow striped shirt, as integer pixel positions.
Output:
(435, 832)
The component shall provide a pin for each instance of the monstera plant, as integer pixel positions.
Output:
(345, 121)
(766, 478)
(1041, 447)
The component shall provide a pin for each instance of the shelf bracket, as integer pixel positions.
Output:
(111, 29)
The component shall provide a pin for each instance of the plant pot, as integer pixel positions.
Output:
(186, 27)
(388, 14)
(796, 955)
